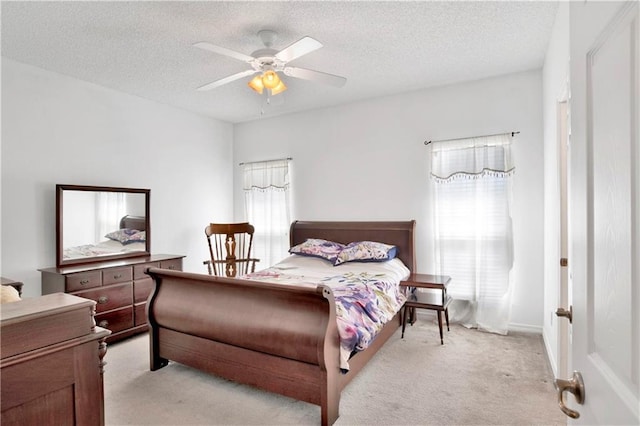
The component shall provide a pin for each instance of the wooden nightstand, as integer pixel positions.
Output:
(437, 300)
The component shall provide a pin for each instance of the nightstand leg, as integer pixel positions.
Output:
(404, 320)
(446, 315)
(440, 325)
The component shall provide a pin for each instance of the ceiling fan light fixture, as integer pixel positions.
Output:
(270, 79)
(279, 88)
(257, 84)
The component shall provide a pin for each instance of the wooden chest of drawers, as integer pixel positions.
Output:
(53, 377)
(119, 288)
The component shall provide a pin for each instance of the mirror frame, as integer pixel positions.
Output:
(60, 189)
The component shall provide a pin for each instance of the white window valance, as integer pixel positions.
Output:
(472, 158)
(264, 175)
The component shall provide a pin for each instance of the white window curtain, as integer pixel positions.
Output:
(110, 208)
(473, 230)
(267, 207)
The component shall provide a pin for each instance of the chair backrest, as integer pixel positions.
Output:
(230, 246)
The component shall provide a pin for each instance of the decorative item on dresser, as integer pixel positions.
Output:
(119, 287)
(51, 362)
(15, 284)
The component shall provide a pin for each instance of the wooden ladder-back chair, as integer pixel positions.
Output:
(230, 246)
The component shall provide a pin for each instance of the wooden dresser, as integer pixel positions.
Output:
(120, 289)
(51, 362)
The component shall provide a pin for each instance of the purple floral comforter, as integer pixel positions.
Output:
(367, 294)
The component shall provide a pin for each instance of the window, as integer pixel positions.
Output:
(267, 208)
(109, 207)
(473, 229)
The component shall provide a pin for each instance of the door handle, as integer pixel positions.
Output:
(561, 312)
(575, 385)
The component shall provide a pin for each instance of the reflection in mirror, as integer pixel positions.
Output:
(99, 223)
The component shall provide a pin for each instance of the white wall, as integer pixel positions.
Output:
(555, 86)
(367, 161)
(57, 129)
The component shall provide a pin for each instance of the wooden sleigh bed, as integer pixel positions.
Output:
(242, 330)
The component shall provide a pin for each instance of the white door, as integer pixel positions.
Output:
(563, 290)
(604, 257)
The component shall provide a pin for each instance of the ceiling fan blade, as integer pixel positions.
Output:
(223, 51)
(295, 50)
(226, 80)
(317, 76)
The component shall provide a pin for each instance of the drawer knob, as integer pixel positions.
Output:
(103, 323)
(117, 276)
(103, 299)
(83, 282)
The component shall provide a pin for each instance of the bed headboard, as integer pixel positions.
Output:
(133, 222)
(400, 234)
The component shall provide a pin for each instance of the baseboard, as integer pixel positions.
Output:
(550, 358)
(525, 328)
(427, 314)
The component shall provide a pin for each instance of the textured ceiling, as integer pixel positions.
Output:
(382, 48)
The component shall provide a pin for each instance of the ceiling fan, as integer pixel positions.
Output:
(268, 62)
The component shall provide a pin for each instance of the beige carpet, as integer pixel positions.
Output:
(475, 378)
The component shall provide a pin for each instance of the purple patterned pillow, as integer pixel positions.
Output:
(127, 236)
(366, 251)
(314, 247)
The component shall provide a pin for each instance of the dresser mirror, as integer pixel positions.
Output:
(95, 223)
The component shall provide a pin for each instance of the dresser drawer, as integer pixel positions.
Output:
(175, 264)
(141, 289)
(140, 314)
(120, 289)
(82, 280)
(111, 297)
(115, 321)
(117, 275)
(138, 270)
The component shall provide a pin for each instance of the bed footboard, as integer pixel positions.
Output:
(279, 338)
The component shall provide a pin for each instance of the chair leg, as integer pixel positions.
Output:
(446, 315)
